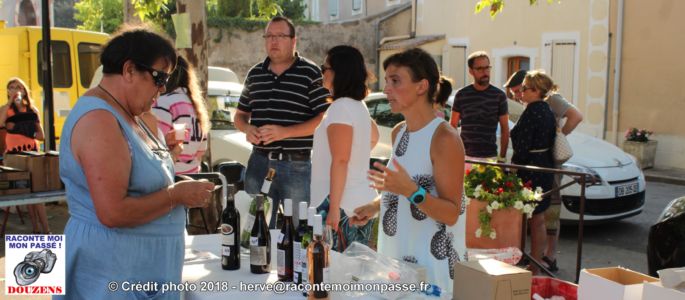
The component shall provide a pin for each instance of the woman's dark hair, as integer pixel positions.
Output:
(184, 76)
(422, 66)
(350, 72)
(138, 43)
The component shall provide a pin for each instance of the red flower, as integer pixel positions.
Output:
(468, 171)
(528, 184)
(499, 191)
(509, 184)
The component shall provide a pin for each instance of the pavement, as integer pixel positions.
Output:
(665, 175)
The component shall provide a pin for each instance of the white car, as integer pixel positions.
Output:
(620, 192)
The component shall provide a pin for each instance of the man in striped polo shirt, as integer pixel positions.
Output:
(480, 107)
(283, 101)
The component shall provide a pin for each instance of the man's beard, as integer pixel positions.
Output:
(485, 80)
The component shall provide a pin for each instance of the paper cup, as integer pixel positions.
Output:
(180, 131)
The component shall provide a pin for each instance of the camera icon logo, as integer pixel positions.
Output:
(35, 262)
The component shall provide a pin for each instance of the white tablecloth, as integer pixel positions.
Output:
(200, 272)
(209, 270)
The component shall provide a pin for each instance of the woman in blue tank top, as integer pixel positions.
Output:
(126, 214)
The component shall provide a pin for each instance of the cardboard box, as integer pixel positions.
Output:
(614, 283)
(44, 169)
(490, 279)
(14, 181)
(654, 290)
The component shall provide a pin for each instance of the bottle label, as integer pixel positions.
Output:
(226, 251)
(227, 234)
(249, 223)
(266, 186)
(280, 238)
(280, 262)
(254, 241)
(296, 277)
(304, 260)
(257, 255)
(297, 260)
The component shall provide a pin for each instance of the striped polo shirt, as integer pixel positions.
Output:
(479, 113)
(294, 97)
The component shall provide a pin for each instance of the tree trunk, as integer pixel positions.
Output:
(129, 12)
(198, 54)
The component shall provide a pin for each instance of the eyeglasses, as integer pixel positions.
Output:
(525, 88)
(324, 68)
(278, 37)
(481, 69)
(15, 88)
(161, 78)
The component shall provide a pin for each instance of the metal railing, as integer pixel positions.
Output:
(578, 177)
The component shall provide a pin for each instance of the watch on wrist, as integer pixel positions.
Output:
(418, 197)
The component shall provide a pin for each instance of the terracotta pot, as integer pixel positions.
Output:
(505, 222)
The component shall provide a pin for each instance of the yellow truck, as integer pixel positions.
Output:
(75, 56)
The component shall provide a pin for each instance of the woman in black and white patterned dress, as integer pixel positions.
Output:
(423, 182)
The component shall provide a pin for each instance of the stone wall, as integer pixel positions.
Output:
(239, 50)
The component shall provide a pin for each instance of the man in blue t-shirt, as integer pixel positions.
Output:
(481, 106)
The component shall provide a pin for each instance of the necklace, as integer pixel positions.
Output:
(141, 125)
(118, 103)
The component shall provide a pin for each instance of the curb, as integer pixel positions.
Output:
(665, 179)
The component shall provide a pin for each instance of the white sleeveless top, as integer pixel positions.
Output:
(406, 233)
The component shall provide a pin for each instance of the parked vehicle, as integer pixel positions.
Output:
(667, 238)
(619, 192)
(75, 56)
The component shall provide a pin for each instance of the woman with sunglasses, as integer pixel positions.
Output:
(423, 182)
(126, 214)
(532, 139)
(20, 118)
(342, 147)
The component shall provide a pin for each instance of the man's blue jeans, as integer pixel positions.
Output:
(292, 181)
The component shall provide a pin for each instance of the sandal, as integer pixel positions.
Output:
(551, 263)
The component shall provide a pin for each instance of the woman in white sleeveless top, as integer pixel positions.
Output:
(423, 182)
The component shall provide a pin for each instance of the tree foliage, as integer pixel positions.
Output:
(99, 15)
(496, 6)
(234, 8)
(293, 9)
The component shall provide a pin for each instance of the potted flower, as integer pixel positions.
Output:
(496, 202)
(638, 144)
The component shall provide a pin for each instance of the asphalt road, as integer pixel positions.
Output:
(620, 243)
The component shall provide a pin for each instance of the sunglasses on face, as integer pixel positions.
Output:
(161, 78)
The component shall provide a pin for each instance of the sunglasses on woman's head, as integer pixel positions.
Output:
(160, 77)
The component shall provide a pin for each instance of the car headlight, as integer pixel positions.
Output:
(582, 169)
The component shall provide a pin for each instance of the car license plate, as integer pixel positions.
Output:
(626, 189)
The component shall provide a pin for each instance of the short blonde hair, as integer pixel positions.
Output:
(540, 81)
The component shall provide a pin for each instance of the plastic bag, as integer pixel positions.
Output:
(360, 264)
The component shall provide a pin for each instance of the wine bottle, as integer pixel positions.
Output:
(279, 216)
(299, 248)
(317, 255)
(260, 241)
(266, 186)
(284, 258)
(306, 240)
(230, 229)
